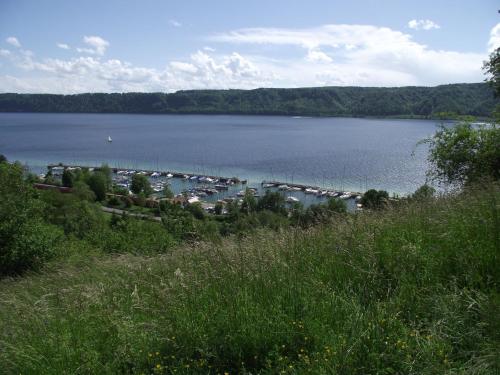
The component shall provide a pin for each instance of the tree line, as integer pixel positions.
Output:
(445, 101)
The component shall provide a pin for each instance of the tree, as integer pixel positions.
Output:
(249, 203)
(218, 208)
(97, 183)
(83, 192)
(167, 192)
(424, 192)
(68, 178)
(465, 154)
(272, 201)
(26, 240)
(375, 199)
(3, 159)
(141, 184)
(492, 69)
(337, 205)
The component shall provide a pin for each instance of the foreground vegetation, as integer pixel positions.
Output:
(444, 101)
(413, 289)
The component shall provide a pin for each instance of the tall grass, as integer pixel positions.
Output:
(412, 290)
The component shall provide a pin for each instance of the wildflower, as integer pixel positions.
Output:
(158, 366)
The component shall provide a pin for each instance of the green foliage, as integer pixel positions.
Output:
(178, 221)
(68, 178)
(465, 154)
(50, 179)
(414, 290)
(218, 208)
(140, 184)
(83, 192)
(424, 192)
(196, 210)
(492, 70)
(249, 203)
(3, 158)
(97, 182)
(26, 241)
(422, 102)
(375, 199)
(75, 216)
(272, 201)
(167, 192)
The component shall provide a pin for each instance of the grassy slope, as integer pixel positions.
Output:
(413, 290)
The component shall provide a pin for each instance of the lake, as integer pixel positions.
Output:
(342, 153)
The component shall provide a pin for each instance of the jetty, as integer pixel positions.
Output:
(149, 172)
(304, 188)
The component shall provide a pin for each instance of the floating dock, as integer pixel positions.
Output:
(149, 172)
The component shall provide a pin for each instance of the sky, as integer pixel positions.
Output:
(67, 47)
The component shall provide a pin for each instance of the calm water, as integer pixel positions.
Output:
(343, 153)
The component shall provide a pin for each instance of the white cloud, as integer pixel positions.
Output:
(208, 49)
(12, 40)
(423, 25)
(62, 45)
(4, 52)
(361, 55)
(316, 55)
(97, 45)
(494, 41)
(174, 23)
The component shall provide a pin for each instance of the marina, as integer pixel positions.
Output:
(211, 189)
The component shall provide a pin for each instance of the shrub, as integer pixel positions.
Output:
(26, 240)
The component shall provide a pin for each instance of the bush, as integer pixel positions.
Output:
(465, 154)
(26, 240)
(374, 199)
(98, 184)
(141, 185)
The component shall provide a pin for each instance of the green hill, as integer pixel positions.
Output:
(420, 102)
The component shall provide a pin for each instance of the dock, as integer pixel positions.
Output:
(149, 172)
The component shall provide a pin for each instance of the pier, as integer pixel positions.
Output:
(149, 172)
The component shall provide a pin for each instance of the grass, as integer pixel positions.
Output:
(412, 290)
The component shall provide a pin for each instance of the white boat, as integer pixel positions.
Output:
(292, 200)
(283, 187)
(311, 191)
(109, 139)
(155, 174)
(346, 195)
(170, 175)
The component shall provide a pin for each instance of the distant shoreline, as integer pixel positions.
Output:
(411, 102)
(394, 117)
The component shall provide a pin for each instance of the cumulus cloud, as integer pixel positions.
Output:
(62, 45)
(494, 41)
(361, 55)
(13, 41)
(97, 45)
(316, 55)
(423, 25)
(94, 74)
(174, 23)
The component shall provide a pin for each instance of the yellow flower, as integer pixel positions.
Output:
(158, 366)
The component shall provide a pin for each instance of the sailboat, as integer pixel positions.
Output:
(109, 139)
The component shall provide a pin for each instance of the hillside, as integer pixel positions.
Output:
(420, 102)
(409, 290)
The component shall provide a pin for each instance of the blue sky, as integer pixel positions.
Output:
(151, 45)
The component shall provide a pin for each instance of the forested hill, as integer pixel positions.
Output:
(463, 99)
